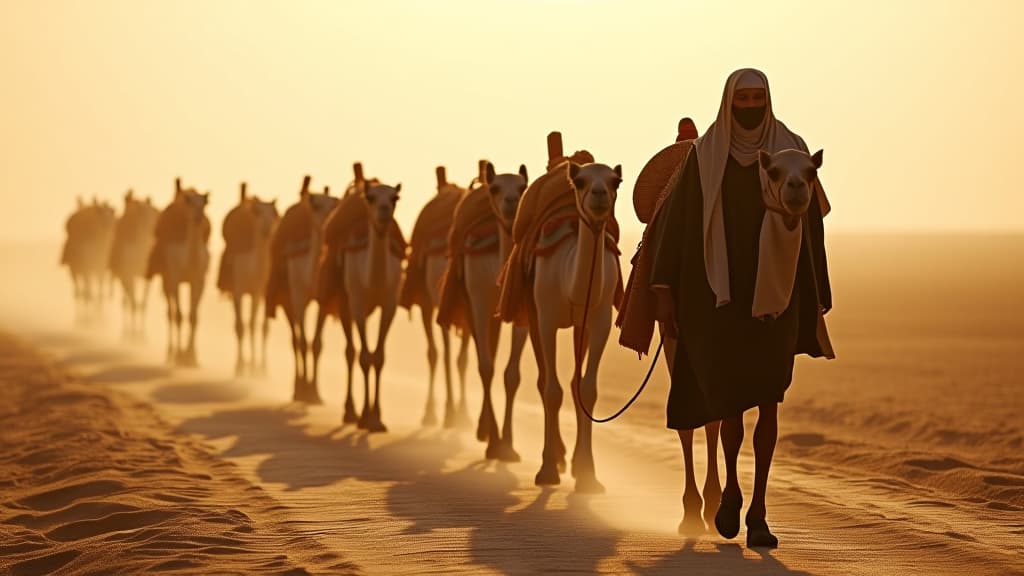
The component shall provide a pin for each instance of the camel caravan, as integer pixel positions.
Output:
(539, 256)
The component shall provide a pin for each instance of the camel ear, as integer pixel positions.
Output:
(273, 202)
(490, 174)
(398, 188)
(618, 170)
(327, 190)
(522, 172)
(765, 160)
(206, 197)
(817, 158)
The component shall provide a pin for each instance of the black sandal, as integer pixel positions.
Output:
(758, 534)
(727, 519)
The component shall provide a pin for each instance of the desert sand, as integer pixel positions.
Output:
(903, 456)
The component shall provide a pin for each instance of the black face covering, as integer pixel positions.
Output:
(749, 118)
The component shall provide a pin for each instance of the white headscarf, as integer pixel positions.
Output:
(779, 247)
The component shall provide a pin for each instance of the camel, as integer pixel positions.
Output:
(132, 242)
(295, 248)
(86, 251)
(245, 268)
(480, 270)
(180, 256)
(372, 275)
(637, 319)
(566, 257)
(428, 260)
(329, 283)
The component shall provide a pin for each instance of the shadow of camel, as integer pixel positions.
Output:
(203, 392)
(506, 531)
(725, 558)
(127, 373)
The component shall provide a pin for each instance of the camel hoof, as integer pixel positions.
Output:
(505, 453)
(692, 524)
(376, 427)
(430, 419)
(450, 419)
(547, 476)
(588, 484)
(364, 421)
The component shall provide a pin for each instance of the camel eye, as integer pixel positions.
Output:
(579, 183)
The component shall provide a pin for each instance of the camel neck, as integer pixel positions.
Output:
(504, 242)
(587, 242)
(378, 250)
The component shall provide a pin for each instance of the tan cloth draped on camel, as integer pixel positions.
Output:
(779, 246)
(429, 237)
(345, 229)
(549, 196)
(473, 215)
(239, 231)
(172, 228)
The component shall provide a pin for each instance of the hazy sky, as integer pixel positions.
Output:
(917, 104)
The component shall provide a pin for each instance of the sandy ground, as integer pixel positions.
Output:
(906, 455)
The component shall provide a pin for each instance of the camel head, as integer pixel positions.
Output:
(196, 202)
(596, 187)
(505, 191)
(266, 215)
(380, 201)
(321, 205)
(791, 177)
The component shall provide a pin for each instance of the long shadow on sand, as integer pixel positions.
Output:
(512, 528)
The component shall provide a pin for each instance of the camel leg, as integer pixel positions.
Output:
(484, 330)
(309, 395)
(538, 353)
(462, 418)
(144, 306)
(712, 485)
(318, 347)
(236, 301)
(297, 385)
(449, 398)
(427, 314)
(387, 315)
(594, 340)
(254, 309)
(264, 335)
(692, 523)
(548, 475)
(512, 380)
(195, 294)
(358, 311)
(350, 416)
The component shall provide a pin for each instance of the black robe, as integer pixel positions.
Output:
(726, 360)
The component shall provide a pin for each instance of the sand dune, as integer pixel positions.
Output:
(94, 482)
(903, 456)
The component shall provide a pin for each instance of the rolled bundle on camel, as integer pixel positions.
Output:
(180, 256)
(479, 244)
(637, 318)
(428, 260)
(295, 249)
(564, 273)
(245, 269)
